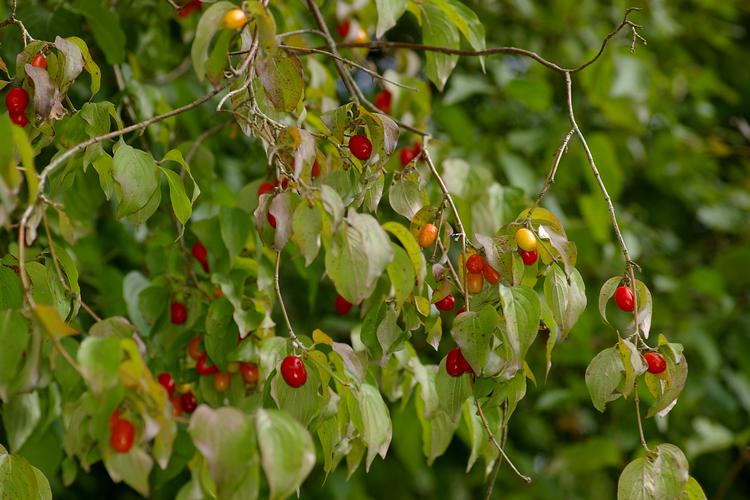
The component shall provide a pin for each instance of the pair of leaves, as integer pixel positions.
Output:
(664, 475)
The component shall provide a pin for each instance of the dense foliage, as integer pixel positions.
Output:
(225, 273)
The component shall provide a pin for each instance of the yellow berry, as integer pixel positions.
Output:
(525, 240)
(235, 19)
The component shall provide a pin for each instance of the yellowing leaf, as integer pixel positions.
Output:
(319, 337)
(51, 321)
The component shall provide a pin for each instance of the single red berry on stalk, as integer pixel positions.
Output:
(177, 313)
(529, 258)
(343, 28)
(19, 119)
(249, 372)
(265, 188)
(167, 381)
(656, 362)
(407, 155)
(199, 252)
(455, 364)
(343, 306)
(490, 274)
(315, 172)
(271, 220)
(16, 100)
(475, 263)
(203, 368)
(39, 61)
(383, 101)
(188, 402)
(624, 299)
(294, 372)
(446, 303)
(122, 436)
(361, 147)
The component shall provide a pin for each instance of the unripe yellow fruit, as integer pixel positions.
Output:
(525, 240)
(235, 19)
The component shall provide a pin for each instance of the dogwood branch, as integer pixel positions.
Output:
(551, 174)
(281, 301)
(497, 445)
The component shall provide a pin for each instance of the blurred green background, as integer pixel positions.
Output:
(669, 128)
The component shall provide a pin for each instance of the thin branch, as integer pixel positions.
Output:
(202, 138)
(11, 19)
(552, 172)
(281, 300)
(497, 445)
(349, 83)
(625, 22)
(638, 417)
(452, 269)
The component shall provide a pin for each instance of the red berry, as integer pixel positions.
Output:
(176, 406)
(265, 188)
(16, 100)
(122, 436)
(460, 310)
(360, 146)
(19, 119)
(166, 381)
(39, 61)
(203, 368)
(271, 220)
(284, 183)
(343, 28)
(201, 254)
(407, 155)
(294, 372)
(475, 264)
(194, 350)
(624, 299)
(490, 274)
(456, 364)
(188, 402)
(446, 303)
(114, 418)
(178, 313)
(249, 372)
(656, 363)
(529, 258)
(343, 306)
(222, 381)
(315, 170)
(383, 101)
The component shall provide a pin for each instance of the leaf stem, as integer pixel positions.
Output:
(497, 445)
(295, 341)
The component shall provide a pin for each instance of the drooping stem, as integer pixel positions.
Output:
(638, 417)
(497, 445)
(281, 300)
(550, 179)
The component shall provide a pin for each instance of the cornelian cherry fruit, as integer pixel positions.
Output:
(39, 61)
(474, 282)
(177, 313)
(343, 306)
(167, 381)
(249, 372)
(475, 264)
(427, 235)
(361, 147)
(624, 299)
(293, 371)
(188, 402)
(656, 363)
(383, 101)
(222, 381)
(203, 368)
(490, 274)
(529, 258)
(235, 19)
(265, 188)
(122, 435)
(446, 303)
(343, 28)
(16, 100)
(194, 348)
(455, 364)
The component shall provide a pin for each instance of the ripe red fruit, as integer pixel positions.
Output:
(16, 100)
(177, 313)
(167, 381)
(39, 61)
(655, 361)
(265, 188)
(19, 119)
(114, 418)
(343, 28)
(222, 381)
(407, 155)
(455, 364)
(271, 220)
(249, 372)
(490, 274)
(446, 303)
(624, 299)
(122, 436)
(203, 368)
(284, 183)
(188, 8)
(315, 170)
(474, 282)
(427, 235)
(360, 146)
(383, 101)
(201, 254)
(529, 258)
(294, 372)
(460, 310)
(176, 406)
(188, 402)
(475, 264)
(194, 348)
(343, 306)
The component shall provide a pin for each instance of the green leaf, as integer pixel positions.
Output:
(21, 141)
(405, 196)
(654, 478)
(88, 63)
(465, 20)
(670, 383)
(181, 205)
(14, 336)
(132, 467)
(412, 249)
(439, 31)
(221, 332)
(522, 313)
(303, 403)
(473, 332)
(51, 321)
(388, 13)
(211, 21)
(105, 25)
(401, 274)
(19, 479)
(21, 414)
(693, 490)
(452, 392)
(566, 299)
(282, 78)
(11, 294)
(100, 360)
(287, 451)
(632, 363)
(359, 254)
(603, 376)
(606, 293)
(307, 223)
(137, 177)
(376, 422)
(226, 439)
(235, 229)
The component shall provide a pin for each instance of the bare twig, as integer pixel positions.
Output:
(11, 19)
(295, 341)
(497, 445)
(202, 138)
(551, 174)
(638, 417)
